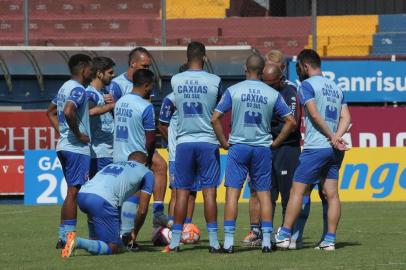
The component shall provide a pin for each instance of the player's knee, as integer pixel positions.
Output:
(159, 166)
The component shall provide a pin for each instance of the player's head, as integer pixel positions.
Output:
(139, 58)
(183, 68)
(138, 156)
(276, 57)
(102, 69)
(143, 82)
(254, 65)
(196, 52)
(80, 66)
(273, 76)
(309, 62)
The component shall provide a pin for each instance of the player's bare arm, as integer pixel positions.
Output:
(98, 110)
(52, 115)
(70, 116)
(288, 127)
(163, 129)
(218, 129)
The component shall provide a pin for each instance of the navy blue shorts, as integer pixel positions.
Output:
(103, 218)
(96, 164)
(197, 186)
(253, 160)
(75, 167)
(317, 164)
(197, 164)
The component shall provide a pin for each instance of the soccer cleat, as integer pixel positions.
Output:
(216, 250)
(167, 249)
(324, 245)
(295, 244)
(266, 249)
(252, 239)
(282, 241)
(60, 244)
(160, 219)
(133, 246)
(70, 245)
(229, 250)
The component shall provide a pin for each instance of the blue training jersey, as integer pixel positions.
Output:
(252, 105)
(329, 99)
(169, 115)
(133, 115)
(118, 181)
(72, 91)
(122, 85)
(196, 95)
(102, 126)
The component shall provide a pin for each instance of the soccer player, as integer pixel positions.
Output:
(326, 120)
(69, 114)
(140, 58)
(101, 199)
(252, 104)
(101, 116)
(197, 151)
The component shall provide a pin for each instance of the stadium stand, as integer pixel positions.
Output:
(391, 37)
(182, 9)
(345, 35)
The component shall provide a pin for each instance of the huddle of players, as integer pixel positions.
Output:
(258, 107)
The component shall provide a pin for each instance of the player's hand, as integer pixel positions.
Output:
(108, 98)
(84, 138)
(340, 144)
(274, 145)
(225, 145)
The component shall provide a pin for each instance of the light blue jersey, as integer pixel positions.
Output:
(121, 85)
(118, 181)
(329, 99)
(169, 115)
(253, 103)
(72, 91)
(102, 126)
(196, 94)
(133, 115)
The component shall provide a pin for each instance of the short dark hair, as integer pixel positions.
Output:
(255, 63)
(310, 57)
(134, 53)
(195, 51)
(142, 76)
(76, 61)
(102, 64)
(183, 68)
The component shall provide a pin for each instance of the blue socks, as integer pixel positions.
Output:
(61, 232)
(128, 214)
(176, 234)
(266, 227)
(285, 232)
(212, 230)
(69, 225)
(188, 220)
(158, 207)
(255, 228)
(299, 226)
(330, 238)
(95, 247)
(229, 230)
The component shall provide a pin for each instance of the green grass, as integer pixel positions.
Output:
(370, 236)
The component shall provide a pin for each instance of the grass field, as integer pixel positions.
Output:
(370, 236)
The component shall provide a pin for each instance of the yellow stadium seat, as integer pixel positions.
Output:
(183, 9)
(348, 50)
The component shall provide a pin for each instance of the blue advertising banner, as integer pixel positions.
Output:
(364, 81)
(43, 178)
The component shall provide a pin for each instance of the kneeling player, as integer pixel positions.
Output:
(101, 199)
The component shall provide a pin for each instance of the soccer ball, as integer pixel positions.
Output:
(161, 236)
(190, 234)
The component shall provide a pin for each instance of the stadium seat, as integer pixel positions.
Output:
(182, 9)
(391, 36)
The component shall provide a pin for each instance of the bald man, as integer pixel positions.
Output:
(253, 103)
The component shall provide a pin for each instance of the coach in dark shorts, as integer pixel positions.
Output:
(286, 157)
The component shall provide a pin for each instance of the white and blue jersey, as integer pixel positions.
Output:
(72, 91)
(196, 94)
(121, 86)
(252, 103)
(133, 115)
(102, 126)
(328, 99)
(169, 115)
(118, 181)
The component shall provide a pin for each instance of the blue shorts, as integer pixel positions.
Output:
(253, 160)
(75, 167)
(96, 164)
(197, 186)
(317, 164)
(197, 163)
(103, 218)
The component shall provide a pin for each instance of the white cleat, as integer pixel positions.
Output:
(328, 246)
(282, 241)
(295, 245)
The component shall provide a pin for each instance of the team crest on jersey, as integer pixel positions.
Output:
(331, 113)
(192, 109)
(112, 170)
(252, 119)
(121, 133)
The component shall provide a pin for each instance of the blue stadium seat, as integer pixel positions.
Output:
(391, 36)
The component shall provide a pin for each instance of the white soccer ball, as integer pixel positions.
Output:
(161, 236)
